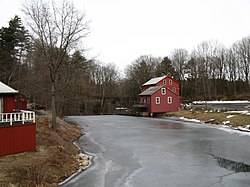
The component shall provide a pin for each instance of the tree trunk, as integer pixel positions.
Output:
(102, 101)
(182, 88)
(53, 106)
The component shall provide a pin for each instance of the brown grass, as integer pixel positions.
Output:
(219, 117)
(54, 159)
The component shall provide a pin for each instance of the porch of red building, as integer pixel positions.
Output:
(17, 132)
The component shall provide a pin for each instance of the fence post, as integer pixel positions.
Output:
(34, 117)
(10, 118)
(23, 117)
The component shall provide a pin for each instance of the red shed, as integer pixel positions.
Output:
(11, 100)
(160, 95)
(17, 125)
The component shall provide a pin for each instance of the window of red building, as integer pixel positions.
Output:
(157, 100)
(163, 91)
(169, 100)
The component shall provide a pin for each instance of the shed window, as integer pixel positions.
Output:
(163, 91)
(164, 82)
(170, 82)
(169, 100)
(157, 100)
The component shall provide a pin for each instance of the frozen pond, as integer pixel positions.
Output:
(145, 152)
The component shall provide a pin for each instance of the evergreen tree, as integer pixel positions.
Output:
(166, 68)
(14, 41)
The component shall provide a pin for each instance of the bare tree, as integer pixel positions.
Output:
(179, 57)
(106, 78)
(143, 69)
(243, 50)
(206, 53)
(59, 27)
(231, 67)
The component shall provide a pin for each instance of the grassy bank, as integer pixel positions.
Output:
(54, 159)
(230, 118)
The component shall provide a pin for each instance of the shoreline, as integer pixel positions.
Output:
(85, 161)
(212, 125)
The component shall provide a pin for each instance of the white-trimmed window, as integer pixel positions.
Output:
(164, 82)
(157, 100)
(163, 91)
(174, 89)
(169, 100)
(170, 82)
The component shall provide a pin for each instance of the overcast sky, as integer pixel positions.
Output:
(123, 30)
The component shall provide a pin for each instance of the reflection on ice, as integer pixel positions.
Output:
(169, 125)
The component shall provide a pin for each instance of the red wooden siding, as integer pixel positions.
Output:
(17, 138)
(175, 105)
(162, 106)
(172, 90)
(175, 84)
(10, 103)
(23, 101)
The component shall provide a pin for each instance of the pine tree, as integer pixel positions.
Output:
(14, 42)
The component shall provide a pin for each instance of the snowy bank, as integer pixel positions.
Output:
(225, 126)
(219, 102)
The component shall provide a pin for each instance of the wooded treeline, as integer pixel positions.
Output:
(41, 65)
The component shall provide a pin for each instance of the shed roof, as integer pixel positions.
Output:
(150, 90)
(6, 89)
(154, 80)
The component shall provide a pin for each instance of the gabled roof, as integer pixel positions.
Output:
(150, 91)
(6, 89)
(154, 80)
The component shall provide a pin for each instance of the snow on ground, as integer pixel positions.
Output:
(246, 112)
(191, 120)
(227, 102)
(240, 130)
(220, 102)
(225, 122)
(231, 130)
(247, 128)
(230, 116)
